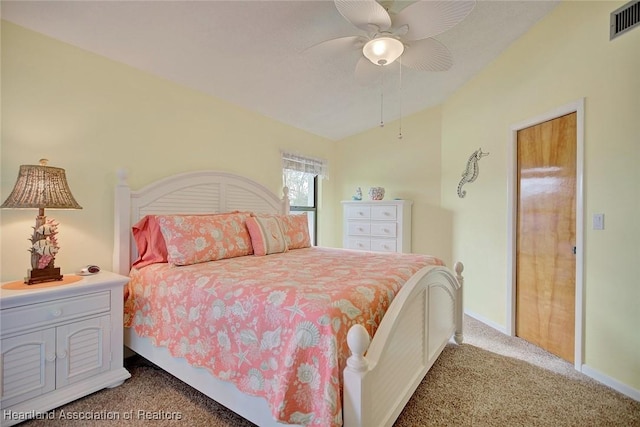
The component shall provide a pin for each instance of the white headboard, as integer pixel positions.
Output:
(185, 193)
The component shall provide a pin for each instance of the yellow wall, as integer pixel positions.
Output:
(565, 57)
(91, 116)
(408, 169)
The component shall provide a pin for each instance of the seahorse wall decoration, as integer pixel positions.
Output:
(471, 172)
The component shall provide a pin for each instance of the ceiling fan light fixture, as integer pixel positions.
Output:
(383, 50)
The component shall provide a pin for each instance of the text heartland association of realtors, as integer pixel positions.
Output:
(91, 415)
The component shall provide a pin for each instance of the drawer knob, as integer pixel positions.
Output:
(57, 312)
(360, 229)
(51, 357)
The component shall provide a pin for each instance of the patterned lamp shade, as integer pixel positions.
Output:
(41, 186)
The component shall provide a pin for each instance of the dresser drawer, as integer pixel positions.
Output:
(359, 212)
(54, 311)
(384, 212)
(384, 229)
(359, 229)
(361, 244)
(383, 245)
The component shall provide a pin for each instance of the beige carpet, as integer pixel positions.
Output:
(490, 380)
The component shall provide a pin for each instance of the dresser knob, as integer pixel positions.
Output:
(51, 357)
(62, 355)
(57, 312)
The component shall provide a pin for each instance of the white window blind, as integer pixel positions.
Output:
(310, 165)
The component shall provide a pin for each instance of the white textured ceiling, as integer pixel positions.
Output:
(252, 53)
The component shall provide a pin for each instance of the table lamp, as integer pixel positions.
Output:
(41, 186)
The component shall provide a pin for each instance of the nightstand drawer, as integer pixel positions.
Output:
(359, 228)
(54, 311)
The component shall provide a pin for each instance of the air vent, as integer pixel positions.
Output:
(625, 18)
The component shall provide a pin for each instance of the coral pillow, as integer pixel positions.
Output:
(149, 241)
(266, 235)
(192, 239)
(296, 231)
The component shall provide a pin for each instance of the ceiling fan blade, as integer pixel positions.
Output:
(427, 18)
(338, 44)
(427, 55)
(367, 73)
(364, 13)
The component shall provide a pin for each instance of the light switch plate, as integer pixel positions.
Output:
(598, 221)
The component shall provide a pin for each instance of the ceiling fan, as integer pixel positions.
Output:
(407, 35)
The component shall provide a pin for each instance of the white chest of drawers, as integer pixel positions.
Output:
(60, 343)
(382, 226)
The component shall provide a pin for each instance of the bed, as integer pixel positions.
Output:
(417, 313)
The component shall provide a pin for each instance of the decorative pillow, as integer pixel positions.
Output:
(149, 241)
(296, 231)
(191, 239)
(266, 235)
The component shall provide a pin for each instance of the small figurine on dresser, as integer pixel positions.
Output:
(358, 195)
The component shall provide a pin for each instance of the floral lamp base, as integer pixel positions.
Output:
(40, 275)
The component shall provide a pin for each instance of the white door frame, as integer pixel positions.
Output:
(512, 185)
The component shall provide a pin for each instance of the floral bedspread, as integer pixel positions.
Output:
(274, 325)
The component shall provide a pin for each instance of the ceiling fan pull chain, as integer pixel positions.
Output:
(382, 99)
(400, 121)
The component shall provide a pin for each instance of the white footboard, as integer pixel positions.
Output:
(419, 323)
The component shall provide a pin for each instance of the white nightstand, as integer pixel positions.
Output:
(60, 343)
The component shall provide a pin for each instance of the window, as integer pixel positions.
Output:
(303, 197)
(301, 177)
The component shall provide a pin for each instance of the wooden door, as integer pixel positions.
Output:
(546, 230)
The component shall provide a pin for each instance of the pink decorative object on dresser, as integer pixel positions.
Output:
(376, 193)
